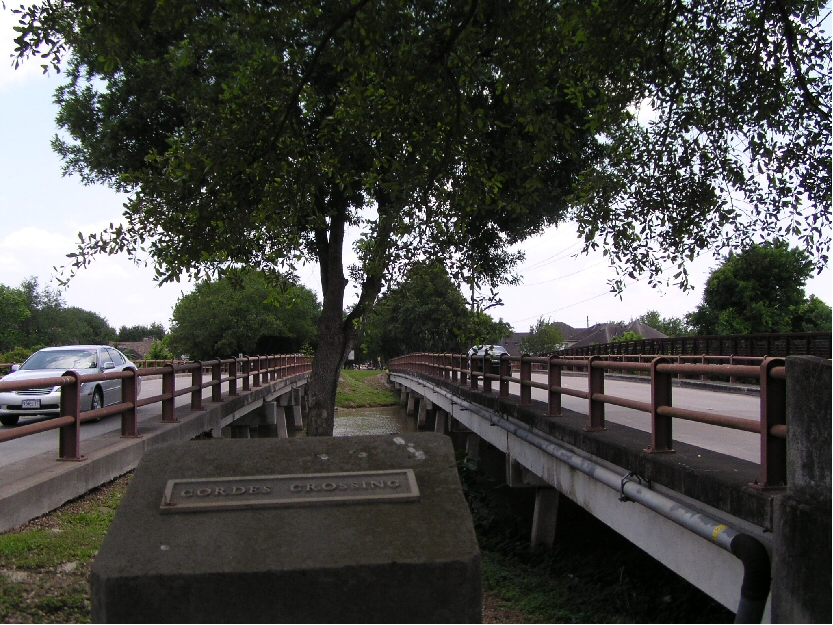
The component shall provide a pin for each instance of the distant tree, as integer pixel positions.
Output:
(669, 326)
(159, 350)
(13, 312)
(481, 328)
(758, 290)
(427, 313)
(50, 322)
(83, 327)
(813, 316)
(627, 335)
(545, 337)
(141, 332)
(223, 318)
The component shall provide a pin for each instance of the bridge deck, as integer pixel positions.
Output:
(718, 480)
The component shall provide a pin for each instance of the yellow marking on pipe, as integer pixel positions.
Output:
(717, 531)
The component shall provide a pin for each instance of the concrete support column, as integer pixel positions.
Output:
(801, 564)
(294, 417)
(413, 400)
(403, 395)
(422, 414)
(275, 420)
(544, 518)
(440, 421)
(473, 445)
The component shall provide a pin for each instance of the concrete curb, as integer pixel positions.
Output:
(37, 485)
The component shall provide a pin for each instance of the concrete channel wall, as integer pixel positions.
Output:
(35, 486)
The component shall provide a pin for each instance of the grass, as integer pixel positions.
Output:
(360, 388)
(45, 564)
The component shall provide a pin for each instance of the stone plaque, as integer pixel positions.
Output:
(272, 491)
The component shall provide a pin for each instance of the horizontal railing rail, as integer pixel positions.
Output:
(773, 345)
(480, 372)
(252, 371)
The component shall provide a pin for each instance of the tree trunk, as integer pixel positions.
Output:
(332, 335)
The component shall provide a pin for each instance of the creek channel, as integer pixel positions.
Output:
(369, 421)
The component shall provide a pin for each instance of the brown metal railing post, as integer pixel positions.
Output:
(487, 369)
(595, 384)
(69, 436)
(454, 376)
(168, 388)
(129, 424)
(472, 374)
(773, 413)
(526, 376)
(216, 376)
(463, 370)
(554, 397)
(233, 370)
(505, 374)
(256, 372)
(661, 395)
(247, 370)
(196, 380)
(733, 379)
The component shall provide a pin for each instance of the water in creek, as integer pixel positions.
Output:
(365, 421)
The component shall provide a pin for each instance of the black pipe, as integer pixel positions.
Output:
(756, 578)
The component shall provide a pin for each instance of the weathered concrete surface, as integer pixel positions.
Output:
(802, 549)
(32, 487)
(372, 562)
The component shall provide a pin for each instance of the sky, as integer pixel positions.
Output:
(42, 212)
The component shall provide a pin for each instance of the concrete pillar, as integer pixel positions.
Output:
(473, 445)
(801, 571)
(422, 414)
(412, 401)
(403, 396)
(544, 518)
(294, 417)
(275, 419)
(440, 421)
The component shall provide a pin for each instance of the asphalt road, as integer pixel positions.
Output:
(744, 445)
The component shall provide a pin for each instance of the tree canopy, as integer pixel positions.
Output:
(141, 332)
(255, 134)
(223, 318)
(32, 317)
(545, 337)
(760, 289)
(669, 326)
(427, 313)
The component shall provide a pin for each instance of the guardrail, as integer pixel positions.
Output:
(254, 371)
(480, 371)
(761, 345)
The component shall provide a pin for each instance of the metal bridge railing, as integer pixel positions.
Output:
(480, 372)
(253, 371)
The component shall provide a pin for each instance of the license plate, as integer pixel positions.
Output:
(31, 403)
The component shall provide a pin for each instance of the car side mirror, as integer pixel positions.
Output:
(15, 368)
(108, 365)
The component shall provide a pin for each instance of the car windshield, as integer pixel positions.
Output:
(61, 359)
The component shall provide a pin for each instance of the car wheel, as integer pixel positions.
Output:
(12, 420)
(97, 401)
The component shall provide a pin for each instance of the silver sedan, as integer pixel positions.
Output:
(54, 361)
